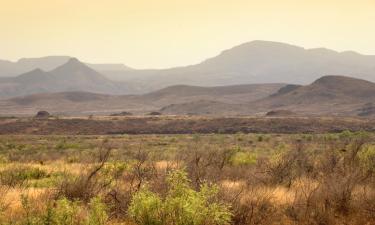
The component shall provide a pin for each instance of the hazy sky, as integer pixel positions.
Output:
(165, 33)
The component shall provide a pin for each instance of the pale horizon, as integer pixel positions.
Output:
(176, 66)
(164, 34)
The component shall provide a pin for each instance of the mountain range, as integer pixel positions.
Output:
(250, 79)
(256, 62)
(24, 65)
(250, 63)
(71, 76)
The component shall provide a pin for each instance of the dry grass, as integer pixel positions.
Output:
(266, 178)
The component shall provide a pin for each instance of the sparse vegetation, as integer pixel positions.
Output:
(201, 179)
(164, 124)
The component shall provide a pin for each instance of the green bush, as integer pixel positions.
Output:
(146, 208)
(97, 212)
(66, 212)
(181, 206)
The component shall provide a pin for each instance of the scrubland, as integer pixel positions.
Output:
(188, 179)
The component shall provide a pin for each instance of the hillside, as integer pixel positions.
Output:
(203, 107)
(329, 95)
(226, 94)
(76, 103)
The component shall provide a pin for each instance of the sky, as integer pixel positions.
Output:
(169, 33)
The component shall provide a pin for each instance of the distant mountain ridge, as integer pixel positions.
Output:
(24, 65)
(256, 62)
(71, 76)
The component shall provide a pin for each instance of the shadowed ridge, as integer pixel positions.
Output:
(33, 76)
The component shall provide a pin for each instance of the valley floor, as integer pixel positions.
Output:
(205, 179)
(105, 125)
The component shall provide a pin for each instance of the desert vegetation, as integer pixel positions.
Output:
(188, 179)
(174, 124)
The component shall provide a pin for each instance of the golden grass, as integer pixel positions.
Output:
(164, 165)
(278, 195)
(13, 197)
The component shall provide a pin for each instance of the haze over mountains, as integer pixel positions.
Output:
(24, 65)
(249, 79)
(71, 76)
(252, 62)
(258, 62)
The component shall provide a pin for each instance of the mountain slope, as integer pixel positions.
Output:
(70, 103)
(226, 94)
(52, 98)
(202, 107)
(328, 89)
(76, 103)
(76, 76)
(329, 95)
